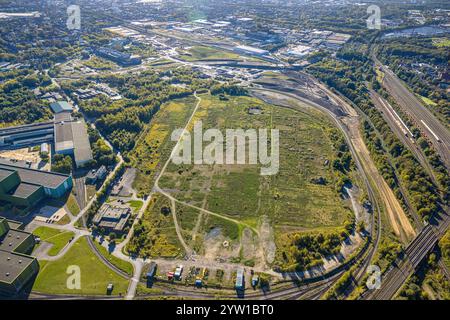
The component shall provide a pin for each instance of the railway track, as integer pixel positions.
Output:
(422, 117)
(403, 133)
(313, 289)
(376, 228)
(401, 270)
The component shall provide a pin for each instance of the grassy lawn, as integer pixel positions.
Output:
(59, 238)
(90, 191)
(98, 63)
(143, 290)
(444, 244)
(122, 265)
(208, 53)
(95, 275)
(64, 220)
(158, 237)
(441, 42)
(136, 205)
(69, 200)
(72, 205)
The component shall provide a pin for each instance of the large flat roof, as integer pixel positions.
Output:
(63, 136)
(63, 116)
(61, 106)
(12, 265)
(24, 190)
(43, 178)
(4, 173)
(82, 152)
(26, 128)
(12, 239)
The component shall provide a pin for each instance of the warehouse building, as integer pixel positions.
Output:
(124, 59)
(251, 50)
(25, 187)
(69, 135)
(61, 106)
(71, 138)
(26, 135)
(82, 146)
(17, 268)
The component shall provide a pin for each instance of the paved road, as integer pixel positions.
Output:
(80, 188)
(41, 254)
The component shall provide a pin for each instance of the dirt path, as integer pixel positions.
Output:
(397, 217)
(186, 248)
(175, 149)
(350, 125)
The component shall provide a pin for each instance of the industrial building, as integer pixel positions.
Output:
(17, 268)
(26, 135)
(61, 106)
(112, 218)
(71, 138)
(69, 135)
(96, 175)
(25, 187)
(251, 50)
(121, 58)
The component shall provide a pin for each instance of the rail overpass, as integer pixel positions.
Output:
(404, 266)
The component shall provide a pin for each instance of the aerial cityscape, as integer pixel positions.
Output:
(234, 150)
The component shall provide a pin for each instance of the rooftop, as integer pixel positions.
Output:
(110, 212)
(25, 128)
(63, 136)
(12, 239)
(61, 106)
(12, 265)
(63, 116)
(46, 179)
(252, 49)
(81, 142)
(112, 217)
(5, 173)
(24, 190)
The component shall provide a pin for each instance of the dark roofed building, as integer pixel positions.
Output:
(61, 106)
(16, 267)
(30, 134)
(112, 218)
(69, 136)
(26, 187)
